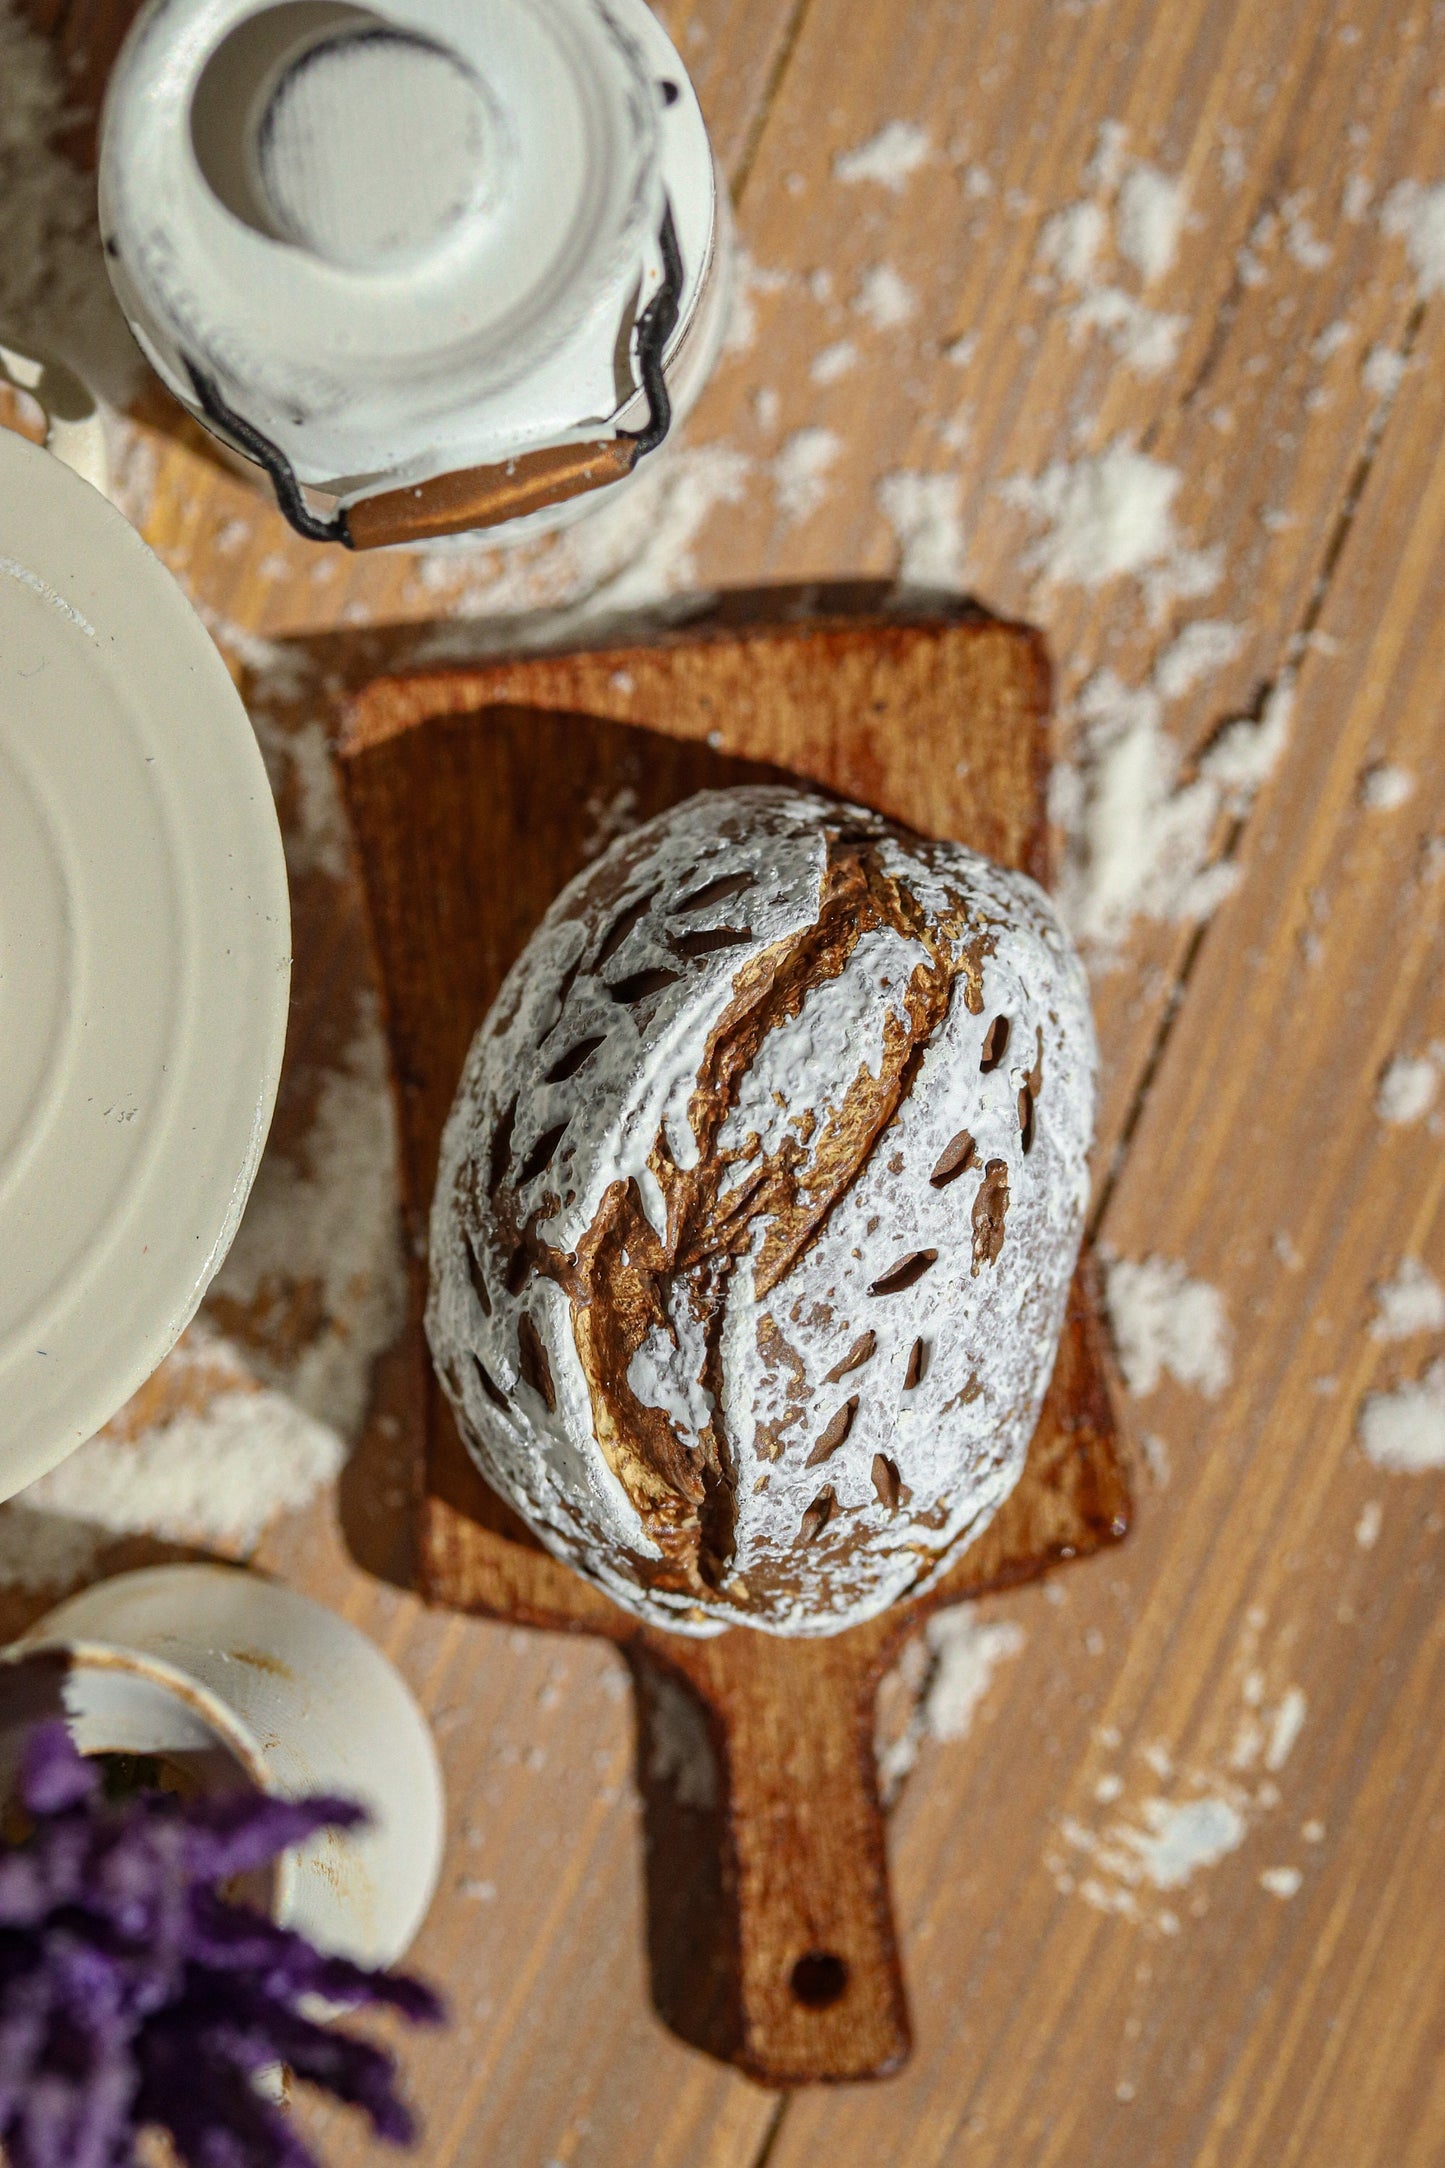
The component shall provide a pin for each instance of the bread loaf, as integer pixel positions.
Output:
(758, 1207)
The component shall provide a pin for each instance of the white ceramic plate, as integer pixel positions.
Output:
(144, 961)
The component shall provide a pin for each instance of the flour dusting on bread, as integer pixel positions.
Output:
(758, 1208)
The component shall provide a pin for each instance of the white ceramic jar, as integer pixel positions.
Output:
(238, 1679)
(453, 265)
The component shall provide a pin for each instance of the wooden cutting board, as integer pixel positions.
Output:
(476, 793)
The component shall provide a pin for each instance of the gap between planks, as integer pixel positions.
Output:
(773, 2132)
(1294, 645)
(758, 124)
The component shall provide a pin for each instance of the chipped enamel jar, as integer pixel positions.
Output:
(435, 267)
(758, 1208)
(236, 1680)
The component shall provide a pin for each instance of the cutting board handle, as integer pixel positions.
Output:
(818, 1989)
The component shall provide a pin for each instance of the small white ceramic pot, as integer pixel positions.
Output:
(435, 267)
(237, 1678)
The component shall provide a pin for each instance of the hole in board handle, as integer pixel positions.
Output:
(819, 1980)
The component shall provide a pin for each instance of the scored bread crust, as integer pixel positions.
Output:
(758, 1207)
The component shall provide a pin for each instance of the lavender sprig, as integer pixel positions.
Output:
(132, 1993)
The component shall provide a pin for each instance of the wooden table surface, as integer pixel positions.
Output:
(1090, 1987)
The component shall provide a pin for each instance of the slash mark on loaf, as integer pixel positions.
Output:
(626, 1282)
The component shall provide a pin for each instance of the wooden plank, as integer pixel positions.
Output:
(1226, 2024)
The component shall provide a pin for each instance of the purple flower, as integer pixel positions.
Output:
(132, 1992)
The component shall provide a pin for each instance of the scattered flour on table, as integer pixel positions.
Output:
(1145, 339)
(1382, 370)
(1288, 226)
(945, 1673)
(1148, 211)
(1250, 267)
(889, 158)
(40, 1549)
(1141, 835)
(1367, 1527)
(1411, 1301)
(749, 280)
(1108, 516)
(1245, 753)
(1417, 216)
(1071, 240)
(800, 472)
(1356, 196)
(1162, 1320)
(1180, 1836)
(1107, 162)
(1406, 1090)
(1283, 1882)
(657, 559)
(1404, 1430)
(1150, 219)
(1284, 1729)
(923, 511)
(1197, 652)
(327, 1224)
(214, 1474)
(1331, 339)
(884, 299)
(216, 1477)
(627, 556)
(1303, 244)
(1154, 1453)
(1171, 1820)
(832, 362)
(966, 1652)
(680, 1755)
(317, 839)
(135, 466)
(1384, 788)
(53, 285)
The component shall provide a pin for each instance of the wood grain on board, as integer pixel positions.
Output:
(1221, 2025)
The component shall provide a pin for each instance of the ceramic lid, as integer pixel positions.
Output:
(144, 961)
